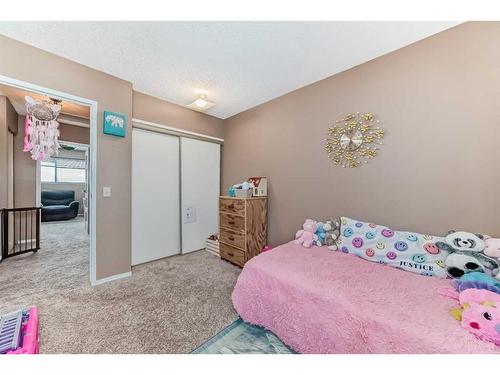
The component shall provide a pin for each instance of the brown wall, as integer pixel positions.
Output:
(438, 100)
(77, 134)
(155, 110)
(8, 121)
(24, 172)
(3, 152)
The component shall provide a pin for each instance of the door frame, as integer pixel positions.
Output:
(56, 94)
(39, 171)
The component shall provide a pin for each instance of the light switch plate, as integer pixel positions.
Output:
(190, 215)
(106, 191)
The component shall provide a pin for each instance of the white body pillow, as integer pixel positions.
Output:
(408, 251)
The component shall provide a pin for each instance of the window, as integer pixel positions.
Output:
(63, 170)
(48, 171)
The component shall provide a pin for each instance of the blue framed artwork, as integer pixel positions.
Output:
(114, 124)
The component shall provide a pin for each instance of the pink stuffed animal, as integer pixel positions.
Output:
(479, 312)
(492, 247)
(483, 321)
(307, 237)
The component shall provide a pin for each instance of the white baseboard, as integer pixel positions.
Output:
(113, 278)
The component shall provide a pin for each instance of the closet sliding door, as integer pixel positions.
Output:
(200, 187)
(155, 196)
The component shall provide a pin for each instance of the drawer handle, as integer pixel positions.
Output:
(230, 254)
(231, 222)
(231, 238)
(231, 206)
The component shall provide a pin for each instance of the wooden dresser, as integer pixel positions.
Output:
(242, 228)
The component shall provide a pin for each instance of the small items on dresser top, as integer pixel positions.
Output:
(254, 187)
(242, 228)
(260, 186)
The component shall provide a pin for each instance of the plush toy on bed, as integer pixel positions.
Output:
(492, 247)
(332, 233)
(327, 233)
(466, 254)
(307, 236)
(477, 280)
(479, 312)
(320, 233)
(479, 297)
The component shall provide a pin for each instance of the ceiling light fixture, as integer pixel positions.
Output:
(201, 104)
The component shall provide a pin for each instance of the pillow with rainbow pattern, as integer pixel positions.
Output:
(408, 251)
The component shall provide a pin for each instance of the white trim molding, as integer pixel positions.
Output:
(147, 125)
(113, 278)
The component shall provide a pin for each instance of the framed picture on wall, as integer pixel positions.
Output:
(114, 123)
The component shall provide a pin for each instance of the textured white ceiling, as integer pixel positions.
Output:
(239, 64)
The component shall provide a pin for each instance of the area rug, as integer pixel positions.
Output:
(243, 338)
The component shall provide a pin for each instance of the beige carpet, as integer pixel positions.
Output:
(167, 306)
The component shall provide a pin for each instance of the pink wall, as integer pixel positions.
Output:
(438, 100)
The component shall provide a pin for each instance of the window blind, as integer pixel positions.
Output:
(65, 163)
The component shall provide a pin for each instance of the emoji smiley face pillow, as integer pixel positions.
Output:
(408, 251)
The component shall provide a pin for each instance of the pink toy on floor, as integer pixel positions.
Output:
(306, 236)
(29, 333)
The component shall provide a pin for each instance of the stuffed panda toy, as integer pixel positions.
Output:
(466, 255)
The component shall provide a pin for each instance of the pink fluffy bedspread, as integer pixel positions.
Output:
(322, 301)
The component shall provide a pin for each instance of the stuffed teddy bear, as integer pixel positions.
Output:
(466, 254)
(327, 233)
(332, 233)
(321, 233)
(307, 236)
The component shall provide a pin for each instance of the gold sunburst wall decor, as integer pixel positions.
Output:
(353, 140)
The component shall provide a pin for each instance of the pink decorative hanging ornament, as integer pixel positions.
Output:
(27, 144)
(41, 133)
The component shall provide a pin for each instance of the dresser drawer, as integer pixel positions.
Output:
(232, 222)
(232, 254)
(232, 237)
(232, 206)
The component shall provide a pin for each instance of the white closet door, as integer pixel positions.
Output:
(155, 196)
(200, 174)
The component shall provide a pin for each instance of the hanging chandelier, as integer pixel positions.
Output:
(41, 133)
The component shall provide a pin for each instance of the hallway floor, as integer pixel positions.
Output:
(167, 306)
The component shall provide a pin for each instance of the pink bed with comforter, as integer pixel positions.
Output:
(322, 301)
